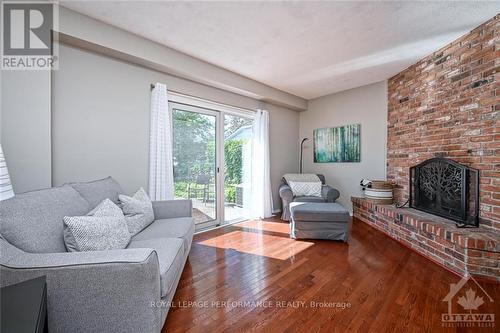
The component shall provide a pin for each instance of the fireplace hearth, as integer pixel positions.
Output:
(446, 188)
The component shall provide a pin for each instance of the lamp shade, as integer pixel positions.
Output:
(6, 191)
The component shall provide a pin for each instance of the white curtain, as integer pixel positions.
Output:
(261, 178)
(6, 190)
(161, 171)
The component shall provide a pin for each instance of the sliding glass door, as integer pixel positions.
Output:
(212, 162)
(195, 160)
(237, 167)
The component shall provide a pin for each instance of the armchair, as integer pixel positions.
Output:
(328, 194)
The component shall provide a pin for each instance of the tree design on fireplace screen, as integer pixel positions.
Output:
(446, 188)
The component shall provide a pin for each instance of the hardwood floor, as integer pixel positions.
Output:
(388, 287)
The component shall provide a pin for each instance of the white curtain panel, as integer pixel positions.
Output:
(6, 190)
(261, 177)
(161, 171)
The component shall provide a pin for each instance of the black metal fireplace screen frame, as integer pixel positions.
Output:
(466, 207)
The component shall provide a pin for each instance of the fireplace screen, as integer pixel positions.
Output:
(446, 188)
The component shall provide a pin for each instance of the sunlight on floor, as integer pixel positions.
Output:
(277, 227)
(267, 239)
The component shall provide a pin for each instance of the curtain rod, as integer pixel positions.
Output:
(245, 110)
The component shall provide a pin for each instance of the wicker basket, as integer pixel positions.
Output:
(382, 185)
(380, 192)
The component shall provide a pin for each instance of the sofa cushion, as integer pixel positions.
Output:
(308, 199)
(102, 229)
(170, 253)
(33, 221)
(180, 227)
(96, 191)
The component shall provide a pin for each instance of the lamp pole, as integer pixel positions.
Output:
(301, 149)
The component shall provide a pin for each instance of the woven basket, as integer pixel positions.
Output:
(382, 184)
(380, 192)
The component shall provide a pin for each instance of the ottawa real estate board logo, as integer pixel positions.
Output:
(28, 30)
(466, 301)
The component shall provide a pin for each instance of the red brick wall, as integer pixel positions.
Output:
(462, 250)
(448, 104)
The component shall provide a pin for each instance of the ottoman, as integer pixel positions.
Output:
(318, 220)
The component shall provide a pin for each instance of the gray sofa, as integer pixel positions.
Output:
(125, 290)
(328, 194)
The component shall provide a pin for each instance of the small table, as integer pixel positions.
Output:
(24, 307)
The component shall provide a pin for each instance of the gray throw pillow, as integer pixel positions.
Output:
(308, 189)
(104, 229)
(138, 211)
(98, 190)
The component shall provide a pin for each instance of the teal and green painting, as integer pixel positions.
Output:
(337, 144)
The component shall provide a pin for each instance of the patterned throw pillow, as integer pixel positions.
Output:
(309, 189)
(138, 211)
(104, 228)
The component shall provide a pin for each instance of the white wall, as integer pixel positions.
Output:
(284, 146)
(92, 34)
(365, 105)
(100, 120)
(25, 114)
(25, 128)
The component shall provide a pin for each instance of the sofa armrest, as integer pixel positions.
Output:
(286, 193)
(286, 196)
(329, 193)
(25, 260)
(168, 209)
(91, 291)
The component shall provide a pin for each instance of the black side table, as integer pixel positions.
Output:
(24, 307)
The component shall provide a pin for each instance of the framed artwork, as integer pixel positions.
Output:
(337, 144)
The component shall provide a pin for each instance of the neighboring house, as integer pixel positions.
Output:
(244, 132)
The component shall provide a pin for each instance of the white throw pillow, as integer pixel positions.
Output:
(309, 189)
(104, 228)
(138, 211)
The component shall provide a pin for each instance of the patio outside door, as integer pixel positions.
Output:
(237, 167)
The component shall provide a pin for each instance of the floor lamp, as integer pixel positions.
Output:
(301, 150)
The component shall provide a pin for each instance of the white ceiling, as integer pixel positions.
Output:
(308, 49)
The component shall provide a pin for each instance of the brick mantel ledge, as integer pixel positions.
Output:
(473, 251)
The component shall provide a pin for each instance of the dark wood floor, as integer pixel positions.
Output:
(389, 287)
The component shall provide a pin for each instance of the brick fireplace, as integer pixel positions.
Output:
(447, 105)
